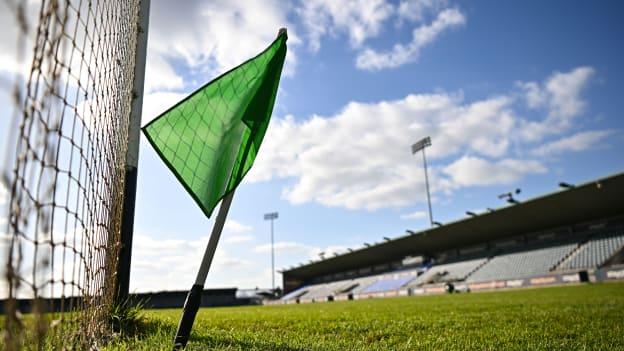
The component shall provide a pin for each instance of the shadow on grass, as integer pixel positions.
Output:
(206, 342)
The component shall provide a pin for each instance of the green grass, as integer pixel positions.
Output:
(585, 317)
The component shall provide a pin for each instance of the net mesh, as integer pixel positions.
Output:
(67, 180)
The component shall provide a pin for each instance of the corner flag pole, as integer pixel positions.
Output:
(122, 278)
(193, 299)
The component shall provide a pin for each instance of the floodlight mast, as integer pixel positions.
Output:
(421, 145)
(271, 217)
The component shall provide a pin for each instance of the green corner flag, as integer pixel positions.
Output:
(210, 139)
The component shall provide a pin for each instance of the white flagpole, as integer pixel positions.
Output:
(193, 299)
(214, 239)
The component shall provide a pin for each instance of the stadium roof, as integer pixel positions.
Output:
(601, 198)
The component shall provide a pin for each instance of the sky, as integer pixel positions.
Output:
(513, 95)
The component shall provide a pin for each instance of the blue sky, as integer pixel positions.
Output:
(513, 95)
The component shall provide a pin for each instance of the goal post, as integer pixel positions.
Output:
(72, 172)
(122, 281)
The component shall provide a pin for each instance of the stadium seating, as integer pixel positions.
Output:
(537, 259)
(363, 283)
(594, 253)
(522, 264)
(387, 285)
(448, 272)
(322, 291)
(295, 294)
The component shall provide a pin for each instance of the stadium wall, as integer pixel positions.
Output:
(161, 299)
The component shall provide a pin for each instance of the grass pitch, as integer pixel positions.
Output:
(584, 317)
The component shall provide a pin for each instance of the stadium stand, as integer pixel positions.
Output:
(522, 264)
(595, 252)
(295, 294)
(570, 236)
(449, 272)
(327, 291)
(322, 291)
(384, 285)
(537, 259)
(363, 283)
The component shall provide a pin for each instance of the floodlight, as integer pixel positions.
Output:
(438, 224)
(471, 214)
(566, 185)
(504, 195)
(271, 216)
(509, 196)
(386, 238)
(420, 146)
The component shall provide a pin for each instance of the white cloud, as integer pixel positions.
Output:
(284, 246)
(166, 263)
(360, 157)
(171, 264)
(235, 227)
(235, 232)
(471, 171)
(414, 215)
(309, 251)
(360, 19)
(212, 37)
(415, 10)
(156, 103)
(160, 75)
(237, 239)
(564, 90)
(576, 142)
(560, 97)
(533, 94)
(401, 54)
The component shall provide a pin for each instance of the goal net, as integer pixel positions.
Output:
(65, 174)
